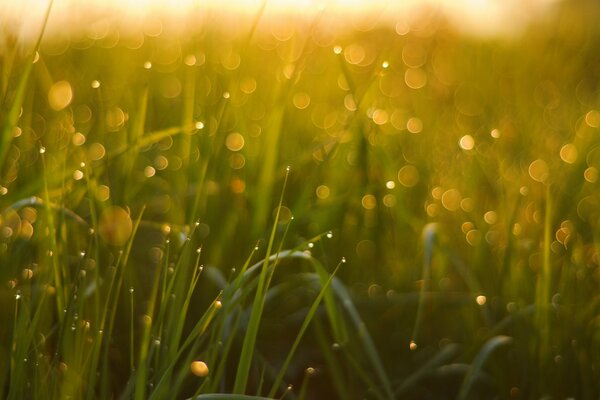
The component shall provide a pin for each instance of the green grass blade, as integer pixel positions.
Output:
(477, 366)
(245, 361)
(309, 316)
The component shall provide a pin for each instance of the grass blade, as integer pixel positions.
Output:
(477, 366)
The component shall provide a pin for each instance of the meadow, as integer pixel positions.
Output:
(287, 210)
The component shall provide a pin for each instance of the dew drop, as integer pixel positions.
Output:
(131, 289)
(311, 245)
(329, 235)
(413, 345)
(42, 150)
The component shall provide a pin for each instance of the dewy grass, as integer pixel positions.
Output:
(465, 203)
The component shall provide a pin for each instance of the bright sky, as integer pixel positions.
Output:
(479, 16)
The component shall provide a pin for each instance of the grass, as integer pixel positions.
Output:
(435, 234)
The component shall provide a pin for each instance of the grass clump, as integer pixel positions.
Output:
(434, 237)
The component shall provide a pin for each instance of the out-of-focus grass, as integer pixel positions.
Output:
(139, 172)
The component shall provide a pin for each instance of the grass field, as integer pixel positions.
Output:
(290, 211)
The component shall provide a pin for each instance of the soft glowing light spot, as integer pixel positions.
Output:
(115, 226)
(385, 65)
(481, 300)
(17, 131)
(592, 118)
(226, 95)
(78, 139)
(437, 192)
(390, 184)
(285, 214)
(490, 217)
(238, 186)
(473, 237)
(323, 192)
(190, 60)
(412, 346)
(495, 133)
(77, 175)
(147, 65)
(451, 200)
(161, 163)
(466, 142)
(591, 174)
(415, 78)
(149, 171)
(199, 125)
(389, 200)
(432, 210)
(337, 49)
(568, 153)
(466, 227)
(218, 304)
(354, 54)
(349, 102)
(301, 100)
(60, 95)
(408, 176)
(199, 368)
(248, 85)
(380, 117)
(95, 84)
(103, 193)
(563, 235)
(237, 161)
(115, 118)
(539, 171)
(414, 125)
(369, 202)
(235, 141)
(402, 28)
(467, 204)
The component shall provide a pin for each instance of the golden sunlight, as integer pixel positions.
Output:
(482, 17)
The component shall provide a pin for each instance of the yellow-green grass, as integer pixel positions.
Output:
(149, 219)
